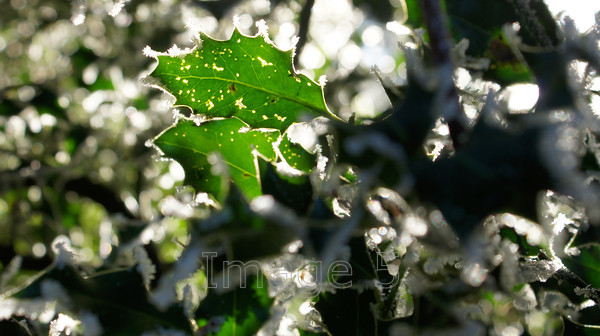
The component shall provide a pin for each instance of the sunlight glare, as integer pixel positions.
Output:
(521, 98)
(581, 11)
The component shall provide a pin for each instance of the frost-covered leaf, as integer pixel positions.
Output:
(246, 77)
(195, 148)
(249, 231)
(250, 94)
(117, 299)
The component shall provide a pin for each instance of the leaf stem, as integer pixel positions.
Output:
(303, 29)
(439, 40)
(573, 279)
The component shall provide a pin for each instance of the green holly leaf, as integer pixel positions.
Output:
(239, 85)
(194, 147)
(247, 77)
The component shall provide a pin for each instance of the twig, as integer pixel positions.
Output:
(577, 282)
(303, 30)
(439, 40)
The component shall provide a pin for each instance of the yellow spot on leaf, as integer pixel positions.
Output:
(239, 103)
(263, 62)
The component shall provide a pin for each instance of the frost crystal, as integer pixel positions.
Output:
(65, 255)
(175, 51)
(148, 52)
(117, 7)
(263, 29)
(539, 270)
(587, 292)
(63, 323)
(145, 265)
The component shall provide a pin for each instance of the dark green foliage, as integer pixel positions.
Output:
(240, 311)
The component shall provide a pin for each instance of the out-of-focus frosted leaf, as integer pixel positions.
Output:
(192, 145)
(249, 231)
(118, 299)
(246, 77)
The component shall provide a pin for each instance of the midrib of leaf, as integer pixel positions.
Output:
(258, 88)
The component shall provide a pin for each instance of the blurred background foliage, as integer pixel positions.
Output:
(75, 162)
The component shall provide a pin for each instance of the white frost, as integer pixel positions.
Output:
(263, 29)
(304, 135)
(117, 7)
(63, 323)
(145, 265)
(148, 52)
(65, 254)
(175, 51)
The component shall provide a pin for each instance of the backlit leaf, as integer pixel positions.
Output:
(246, 77)
(192, 145)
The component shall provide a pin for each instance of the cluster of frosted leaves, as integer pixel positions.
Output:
(248, 94)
